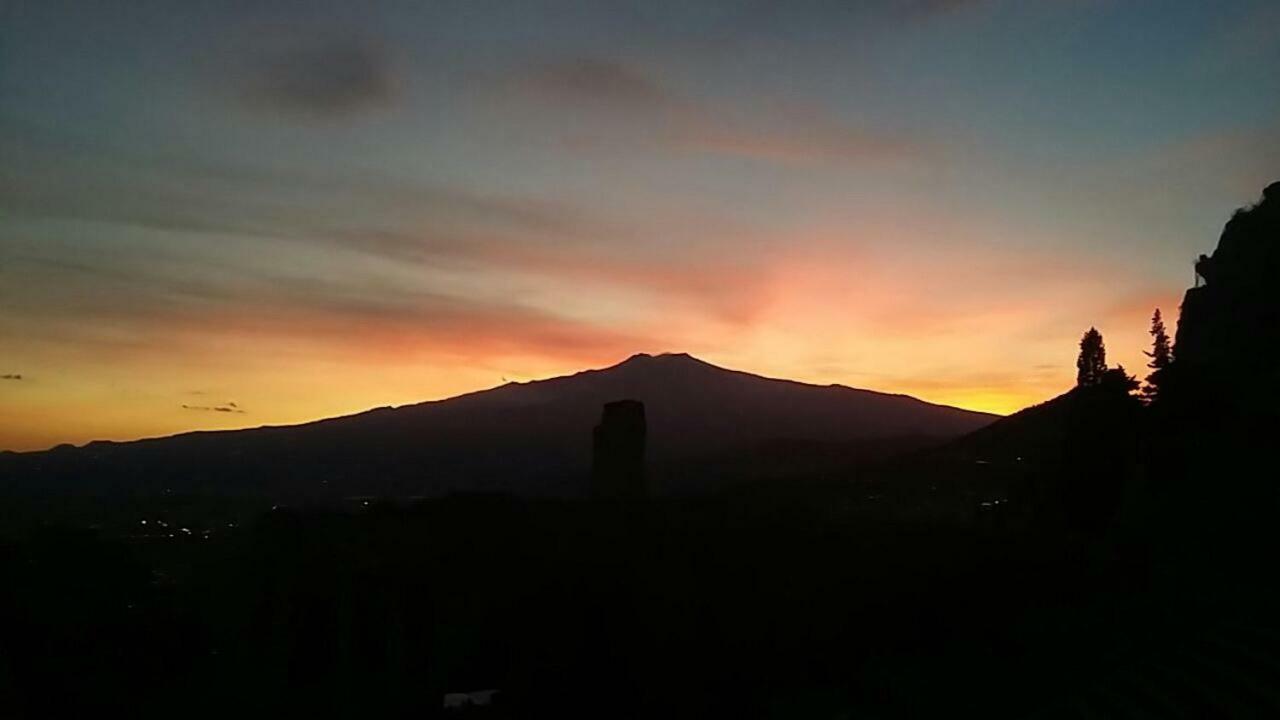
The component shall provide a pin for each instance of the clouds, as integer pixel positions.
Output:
(228, 408)
(594, 80)
(641, 109)
(801, 137)
(53, 177)
(183, 240)
(333, 79)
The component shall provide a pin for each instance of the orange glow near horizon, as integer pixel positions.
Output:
(982, 337)
(36, 420)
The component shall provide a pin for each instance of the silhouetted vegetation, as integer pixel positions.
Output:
(1161, 357)
(1092, 362)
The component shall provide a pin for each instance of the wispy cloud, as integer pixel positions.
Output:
(651, 110)
(228, 408)
(798, 137)
(333, 79)
(53, 176)
(415, 227)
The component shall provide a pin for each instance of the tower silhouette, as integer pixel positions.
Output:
(617, 452)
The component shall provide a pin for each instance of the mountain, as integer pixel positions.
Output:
(526, 438)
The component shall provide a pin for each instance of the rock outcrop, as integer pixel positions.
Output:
(1229, 330)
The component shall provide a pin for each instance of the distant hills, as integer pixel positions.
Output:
(529, 438)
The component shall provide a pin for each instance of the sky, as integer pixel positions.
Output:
(232, 213)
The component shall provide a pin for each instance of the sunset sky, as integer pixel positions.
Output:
(236, 213)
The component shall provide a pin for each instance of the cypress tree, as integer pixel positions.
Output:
(1092, 363)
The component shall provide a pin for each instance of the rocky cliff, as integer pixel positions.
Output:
(1228, 337)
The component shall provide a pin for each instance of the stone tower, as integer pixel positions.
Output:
(617, 452)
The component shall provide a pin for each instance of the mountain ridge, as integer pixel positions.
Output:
(633, 359)
(517, 437)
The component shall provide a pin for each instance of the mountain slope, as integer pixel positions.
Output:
(1068, 460)
(1065, 428)
(521, 437)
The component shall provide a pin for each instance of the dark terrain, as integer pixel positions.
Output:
(709, 426)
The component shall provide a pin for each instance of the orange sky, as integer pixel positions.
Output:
(985, 330)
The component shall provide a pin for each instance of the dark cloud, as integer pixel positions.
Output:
(330, 80)
(594, 80)
(228, 408)
(12, 376)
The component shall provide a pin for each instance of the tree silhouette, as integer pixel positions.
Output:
(1092, 362)
(1161, 355)
(1118, 381)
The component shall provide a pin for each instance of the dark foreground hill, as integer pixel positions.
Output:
(525, 438)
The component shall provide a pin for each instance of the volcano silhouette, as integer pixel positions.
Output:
(531, 438)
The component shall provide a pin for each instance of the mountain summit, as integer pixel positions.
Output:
(526, 438)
